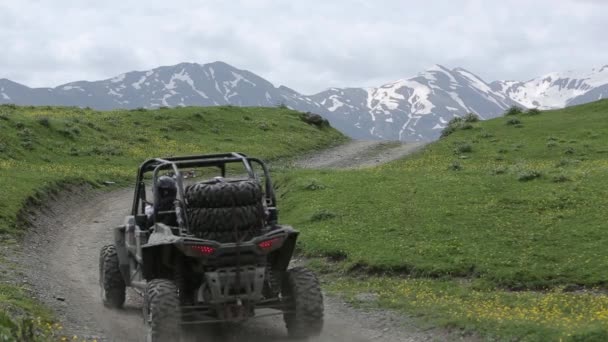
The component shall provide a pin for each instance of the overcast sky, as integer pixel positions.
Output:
(307, 45)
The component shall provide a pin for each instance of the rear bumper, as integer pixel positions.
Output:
(231, 284)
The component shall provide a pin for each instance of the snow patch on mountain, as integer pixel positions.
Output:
(137, 85)
(419, 98)
(118, 78)
(114, 93)
(335, 103)
(238, 78)
(69, 87)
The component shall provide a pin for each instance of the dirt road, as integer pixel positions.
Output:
(358, 153)
(60, 259)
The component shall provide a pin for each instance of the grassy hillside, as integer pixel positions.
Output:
(467, 228)
(42, 148)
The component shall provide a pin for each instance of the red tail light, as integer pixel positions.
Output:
(268, 244)
(204, 250)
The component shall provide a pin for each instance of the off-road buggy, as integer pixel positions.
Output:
(217, 255)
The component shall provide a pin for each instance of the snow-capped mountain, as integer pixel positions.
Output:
(416, 108)
(185, 84)
(410, 109)
(557, 89)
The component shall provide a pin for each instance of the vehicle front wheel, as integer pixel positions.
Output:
(304, 312)
(113, 288)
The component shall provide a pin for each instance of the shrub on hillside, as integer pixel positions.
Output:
(463, 148)
(66, 132)
(314, 119)
(533, 111)
(514, 110)
(322, 215)
(26, 132)
(314, 185)
(447, 131)
(528, 175)
(44, 121)
(517, 147)
(513, 122)
(27, 144)
(455, 124)
(455, 166)
(561, 179)
(455, 120)
(466, 126)
(94, 126)
(471, 117)
(499, 170)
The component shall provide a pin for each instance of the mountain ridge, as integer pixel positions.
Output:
(408, 109)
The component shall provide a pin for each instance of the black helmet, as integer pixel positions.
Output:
(166, 191)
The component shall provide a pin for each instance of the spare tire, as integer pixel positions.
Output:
(221, 193)
(225, 211)
(226, 219)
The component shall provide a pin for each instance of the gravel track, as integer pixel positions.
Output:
(357, 154)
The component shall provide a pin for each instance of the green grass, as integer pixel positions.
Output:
(490, 314)
(505, 207)
(44, 148)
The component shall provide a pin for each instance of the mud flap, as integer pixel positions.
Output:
(123, 255)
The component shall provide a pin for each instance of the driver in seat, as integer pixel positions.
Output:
(165, 193)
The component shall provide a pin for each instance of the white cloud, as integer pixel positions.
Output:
(306, 45)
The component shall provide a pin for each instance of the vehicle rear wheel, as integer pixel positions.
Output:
(304, 316)
(113, 288)
(161, 311)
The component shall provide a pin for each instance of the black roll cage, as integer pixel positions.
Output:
(205, 160)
